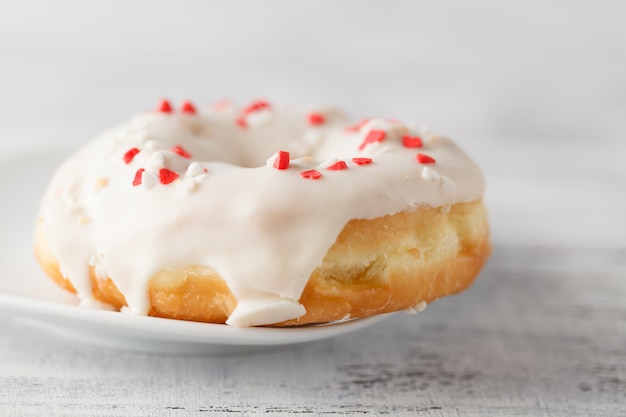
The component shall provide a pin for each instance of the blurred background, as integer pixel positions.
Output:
(535, 91)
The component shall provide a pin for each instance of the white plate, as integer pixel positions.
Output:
(29, 297)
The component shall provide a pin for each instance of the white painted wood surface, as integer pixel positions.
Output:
(541, 333)
(533, 90)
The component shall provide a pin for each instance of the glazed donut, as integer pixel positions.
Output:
(256, 216)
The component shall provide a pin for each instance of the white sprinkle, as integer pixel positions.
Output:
(156, 160)
(380, 149)
(150, 145)
(375, 148)
(304, 162)
(259, 117)
(148, 180)
(447, 184)
(188, 185)
(327, 163)
(430, 174)
(199, 178)
(194, 169)
(271, 159)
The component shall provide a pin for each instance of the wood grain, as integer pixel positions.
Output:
(541, 333)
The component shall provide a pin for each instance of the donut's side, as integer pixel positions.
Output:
(396, 262)
(376, 266)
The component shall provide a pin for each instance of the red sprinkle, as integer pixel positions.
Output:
(358, 126)
(362, 161)
(138, 177)
(187, 107)
(424, 159)
(165, 107)
(166, 176)
(315, 119)
(338, 166)
(130, 155)
(412, 141)
(373, 136)
(241, 122)
(256, 106)
(311, 174)
(181, 151)
(282, 160)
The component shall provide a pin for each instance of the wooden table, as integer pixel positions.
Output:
(541, 333)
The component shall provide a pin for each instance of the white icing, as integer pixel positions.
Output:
(262, 229)
(430, 174)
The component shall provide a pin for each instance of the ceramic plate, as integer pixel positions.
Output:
(28, 296)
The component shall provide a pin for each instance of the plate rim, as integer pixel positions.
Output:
(60, 313)
(126, 330)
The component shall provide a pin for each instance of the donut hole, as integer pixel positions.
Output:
(218, 139)
(223, 141)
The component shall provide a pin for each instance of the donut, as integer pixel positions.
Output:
(263, 216)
